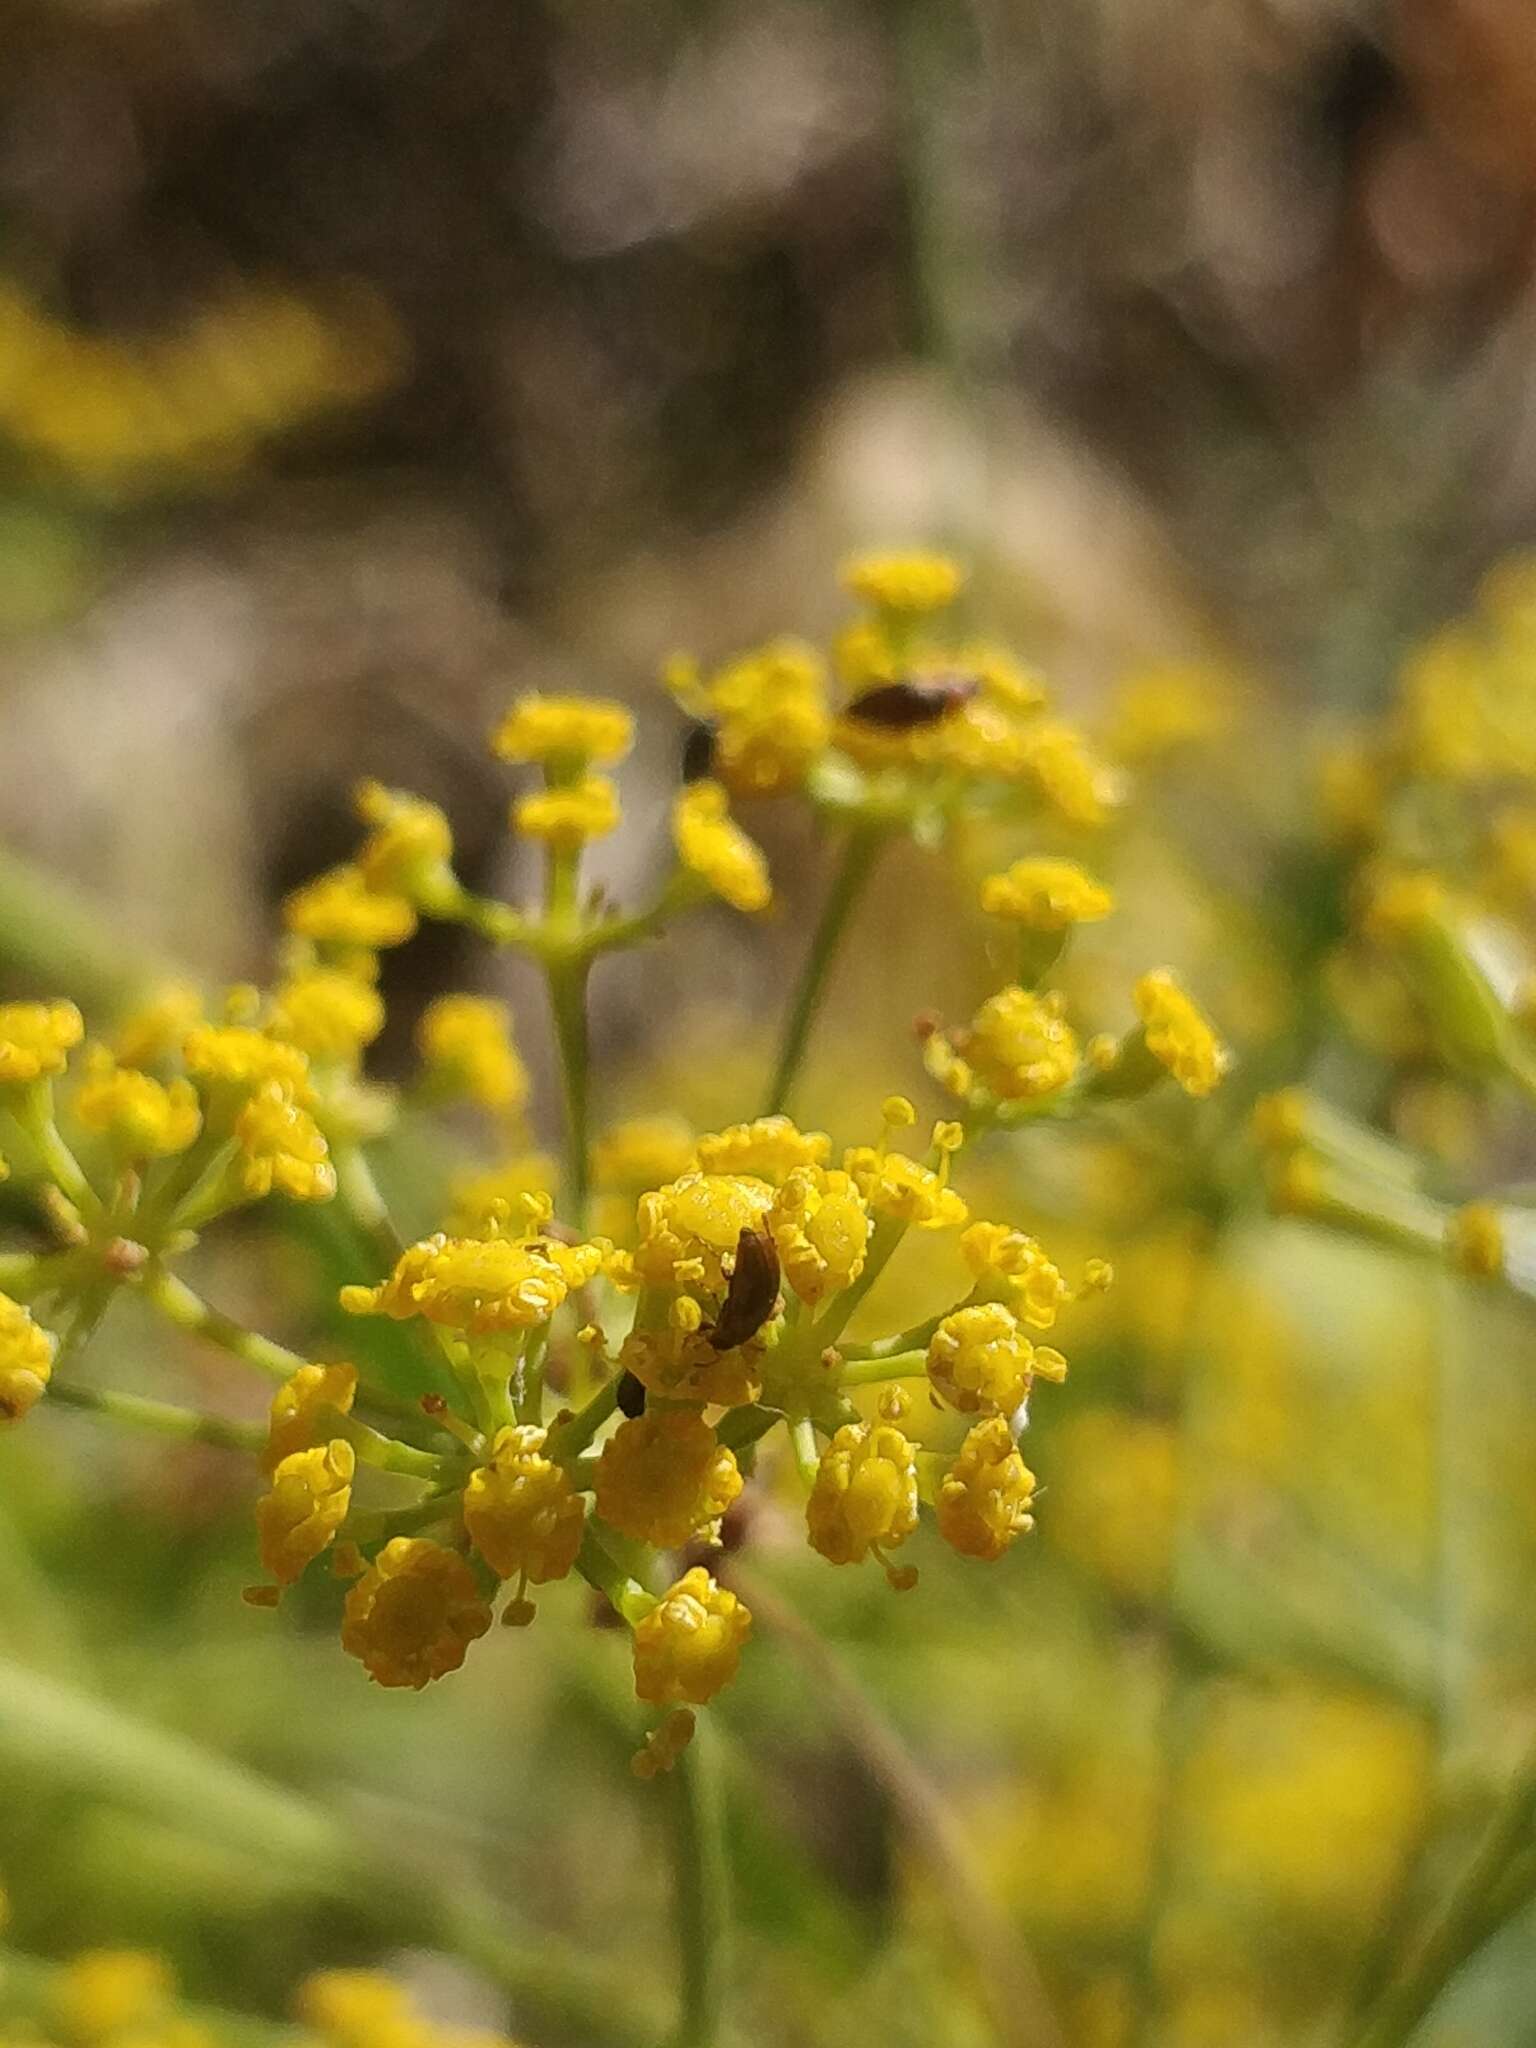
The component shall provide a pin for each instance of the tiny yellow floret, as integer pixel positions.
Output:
(914, 583)
(304, 1408)
(1046, 895)
(1178, 1034)
(520, 1510)
(864, 1496)
(564, 731)
(141, 1118)
(664, 1477)
(689, 1646)
(467, 1047)
(979, 1357)
(339, 908)
(984, 1499)
(413, 1614)
(36, 1039)
(569, 815)
(711, 845)
(26, 1360)
(310, 1495)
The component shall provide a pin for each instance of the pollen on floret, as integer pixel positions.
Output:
(984, 1499)
(689, 1646)
(820, 1225)
(236, 1056)
(863, 1499)
(467, 1048)
(36, 1039)
(26, 1360)
(479, 1284)
(283, 1147)
(1008, 1264)
(339, 908)
(570, 815)
(1178, 1034)
(1020, 1046)
(979, 1357)
(898, 1187)
(298, 1518)
(770, 1147)
(304, 1407)
(413, 1614)
(1045, 895)
(711, 845)
(664, 1477)
(520, 1510)
(912, 583)
(564, 731)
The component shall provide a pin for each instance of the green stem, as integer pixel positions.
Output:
(568, 1005)
(859, 853)
(160, 1416)
(34, 1113)
(1476, 1910)
(873, 1372)
(701, 1899)
(176, 1301)
(573, 1436)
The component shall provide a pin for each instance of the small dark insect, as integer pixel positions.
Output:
(899, 706)
(698, 751)
(754, 1288)
(631, 1396)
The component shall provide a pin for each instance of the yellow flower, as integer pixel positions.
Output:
(984, 1499)
(864, 1496)
(35, 1039)
(478, 1284)
(339, 909)
(1020, 1047)
(770, 717)
(1007, 1263)
(496, 1203)
(711, 845)
(1169, 705)
(689, 1230)
(1064, 769)
(105, 1991)
(689, 1645)
(328, 1013)
(770, 1147)
(1399, 903)
(1178, 1035)
(308, 1502)
(301, 1413)
(284, 1147)
(898, 1187)
(663, 1477)
(570, 815)
(409, 851)
(236, 1056)
(143, 1118)
(682, 1365)
(413, 1614)
(1115, 1500)
(358, 2009)
(1046, 895)
(820, 1225)
(1474, 1239)
(26, 1360)
(643, 1152)
(908, 583)
(520, 1511)
(466, 1044)
(979, 1357)
(564, 731)
(158, 1026)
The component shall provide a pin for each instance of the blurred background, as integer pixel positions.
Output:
(364, 362)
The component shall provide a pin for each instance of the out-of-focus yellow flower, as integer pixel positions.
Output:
(1063, 767)
(106, 1991)
(664, 1477)
(283, 1147)
(1020, 1045)
(1474, 1239)
(298, 1518)
(1010, 1265)
(1114, 1496)
(340, 909)
(413, 1614)
(689, 1646)
(304, 1407)
(711, 845)
(409, 848)
(984, 1499)
(570, 815)
(466, 1045)
(1178, 1034)
(900, 1188)
(141, 1117)
(1046, 895)
(26, 1360)
(235, 1056)
(478, 1285)
(564, 732)
(520, 1510)
(913, 584)
(500, 1201)
(864, 1496)
(1169, 705)
(329, 1013)
(769, 714)
(36, 1039)
(157, 1027)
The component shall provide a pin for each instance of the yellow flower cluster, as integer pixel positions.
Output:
(467, 1049)
(26, 1360)
(36, 1039)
